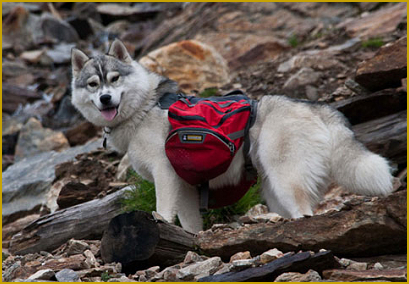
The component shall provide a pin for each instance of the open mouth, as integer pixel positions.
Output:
(109, 113)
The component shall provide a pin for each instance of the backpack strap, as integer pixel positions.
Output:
(167, 99)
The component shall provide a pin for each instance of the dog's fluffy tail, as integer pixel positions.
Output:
(356, 168)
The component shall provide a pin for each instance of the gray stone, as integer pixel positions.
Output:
(58, 29)
(67, 275)
(35, 139)
(91, 261)
(303, 77)
(27, 182)
(242, 264)
(310, 276)
(256, 210)
(199, 269)
(270, 255)
(61, 53)
(192, 257)
(43, 274)
(76, 247)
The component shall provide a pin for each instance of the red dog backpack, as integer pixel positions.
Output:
(206, 134)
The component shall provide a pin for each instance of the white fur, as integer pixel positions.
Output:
(297, 149)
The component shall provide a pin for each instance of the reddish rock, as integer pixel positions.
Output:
(386, 69)
(194, 65)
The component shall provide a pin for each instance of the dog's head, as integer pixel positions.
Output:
(107, 89)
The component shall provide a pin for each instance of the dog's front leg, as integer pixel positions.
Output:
(175, 197)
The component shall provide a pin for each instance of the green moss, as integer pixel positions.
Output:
(209, 92)
(373, 43)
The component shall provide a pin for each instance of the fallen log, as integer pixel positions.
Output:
(84, 221)
(373, 227)
(139, 241)
(385, 136)
(300, 262)
(360, 109)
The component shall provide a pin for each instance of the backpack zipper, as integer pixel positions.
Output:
(228, 144)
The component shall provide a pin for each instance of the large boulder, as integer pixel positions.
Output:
(27, 182)
(194, 65)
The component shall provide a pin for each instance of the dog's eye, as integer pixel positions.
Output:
(115, 78)
(93, 84)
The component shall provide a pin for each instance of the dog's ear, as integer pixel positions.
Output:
(118, 50)
(78, 59)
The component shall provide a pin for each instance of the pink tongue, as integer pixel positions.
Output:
(109, 114)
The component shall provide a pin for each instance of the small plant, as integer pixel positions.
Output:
(209, 92)
(293, 41)
(373, 43)
(142, 197)
(105, 276)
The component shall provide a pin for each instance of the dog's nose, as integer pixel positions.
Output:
(105, 99)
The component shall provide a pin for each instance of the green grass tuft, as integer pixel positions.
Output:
(209, 92)
(105, 276)
(373, 43)
(293, 41)
(143, 198)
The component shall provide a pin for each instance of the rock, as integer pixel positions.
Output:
(14, 96)
(81, 133)
(27, 182)
(37, 57)
(60, 53)
(34, 139)
(353, 265)
(57, 29)
(194, 65)
(91, 261)
(241, 264)
(310, 276)
(14, 68)
(67, 275)
(386, 69)
(224, 269)
(152, 272)
(339, 275)
(269, 217)
(240, 255)
(74, 262)
(322, 60)
(378, 266)
(305, 76)
(376, 24)
(270, 255)
(76, 247)
(121, 279)
(257, 210)
(43, 274)
(192, 257)
(199, 269)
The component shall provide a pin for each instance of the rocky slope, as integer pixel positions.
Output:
(350, 55)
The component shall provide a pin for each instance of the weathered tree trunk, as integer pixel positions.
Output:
(300, 262)
(83, 221)
(139, 241)
(364, 229)
(385, 136)
(361, 109)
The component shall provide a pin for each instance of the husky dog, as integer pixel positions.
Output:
(297, 148)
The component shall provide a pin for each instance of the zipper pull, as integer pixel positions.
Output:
(232, 148)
